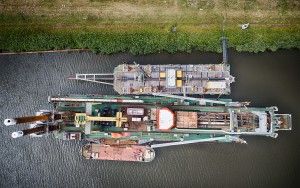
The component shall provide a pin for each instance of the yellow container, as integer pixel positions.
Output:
(179, 74)
(179, 83)
(162, 74)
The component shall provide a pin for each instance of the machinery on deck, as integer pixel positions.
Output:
(212, 79)
(128, 128)
(201, 79)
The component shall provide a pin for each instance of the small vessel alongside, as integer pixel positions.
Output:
(133, 153)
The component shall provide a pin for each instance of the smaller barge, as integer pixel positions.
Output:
(202, 79)
(134, 153)
(135, 79)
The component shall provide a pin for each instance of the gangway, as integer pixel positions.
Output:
(104, 78)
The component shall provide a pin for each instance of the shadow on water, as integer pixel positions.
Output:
(265, 79)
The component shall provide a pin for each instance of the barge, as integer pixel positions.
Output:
(193, 79)
(129, 128)
(201, 79)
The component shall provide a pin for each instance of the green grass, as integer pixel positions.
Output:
(145, 26)
(148, 40)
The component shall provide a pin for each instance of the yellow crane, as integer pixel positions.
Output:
(82, 118)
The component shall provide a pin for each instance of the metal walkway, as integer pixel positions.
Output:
(97, 78)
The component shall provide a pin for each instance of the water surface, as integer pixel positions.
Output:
(265, 79)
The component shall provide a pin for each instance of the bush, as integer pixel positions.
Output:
(148, 40)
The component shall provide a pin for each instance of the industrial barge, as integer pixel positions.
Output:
(129, 128)
(135, 79)
(202, 79)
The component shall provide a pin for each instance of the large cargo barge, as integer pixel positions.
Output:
(128, 128)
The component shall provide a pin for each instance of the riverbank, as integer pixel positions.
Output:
(143, 27)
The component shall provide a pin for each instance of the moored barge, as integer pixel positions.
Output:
(128, 128)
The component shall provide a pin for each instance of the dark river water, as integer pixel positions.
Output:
(266, 79)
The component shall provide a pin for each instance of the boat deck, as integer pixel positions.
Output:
(176, 79)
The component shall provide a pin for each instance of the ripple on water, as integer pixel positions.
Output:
(26, 81)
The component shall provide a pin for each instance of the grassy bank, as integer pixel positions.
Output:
(148, 26)
(145, 41)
